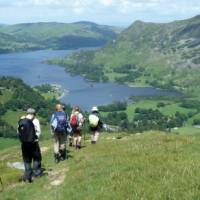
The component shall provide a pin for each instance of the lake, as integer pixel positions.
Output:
(30, 67)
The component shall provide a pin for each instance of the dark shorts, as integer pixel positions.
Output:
(76, 130)
(93, 129)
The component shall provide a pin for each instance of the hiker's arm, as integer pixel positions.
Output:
(53, 123)
(37, 127)
(100, 124)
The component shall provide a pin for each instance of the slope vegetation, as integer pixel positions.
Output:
(15, 98)
(147, 166)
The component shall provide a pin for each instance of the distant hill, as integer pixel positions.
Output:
(159, 54)
(52, 35)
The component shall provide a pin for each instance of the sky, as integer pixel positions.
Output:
(109, 12)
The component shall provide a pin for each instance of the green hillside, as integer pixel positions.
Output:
(160, 55)
(32, 36)
(148, 166)
(15, 98)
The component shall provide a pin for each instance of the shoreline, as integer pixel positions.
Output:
(60, 92)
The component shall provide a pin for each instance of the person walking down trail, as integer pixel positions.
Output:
(95, 124)
(59, 126)
(76, 121)
(29, 132)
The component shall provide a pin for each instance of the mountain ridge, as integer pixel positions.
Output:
(156, 54)
(51, 35)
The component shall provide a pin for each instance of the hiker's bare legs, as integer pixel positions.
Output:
(79, 140)
(75, 139)
(94, 137)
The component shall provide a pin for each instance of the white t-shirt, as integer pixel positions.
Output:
(36, 125)
(80, 119)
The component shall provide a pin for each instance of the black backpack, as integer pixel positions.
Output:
(26, 130)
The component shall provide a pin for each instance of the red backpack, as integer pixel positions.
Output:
(74, 120)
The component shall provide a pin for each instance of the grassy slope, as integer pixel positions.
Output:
(12, 117)
(7, 142)
(6, 95)
(149, 166)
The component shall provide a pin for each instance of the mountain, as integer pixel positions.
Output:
(30, 36)
(159, 54)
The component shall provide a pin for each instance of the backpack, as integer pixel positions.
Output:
(26, 130)
(74, 120)
(61, 122)
(93, 120)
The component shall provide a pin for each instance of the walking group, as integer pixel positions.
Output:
(64, 128)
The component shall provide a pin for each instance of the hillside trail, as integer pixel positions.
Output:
(56, 176)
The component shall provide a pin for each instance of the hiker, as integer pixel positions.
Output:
(95, 124)
(29, 132)
(70, 134)
(59, 129)
(76, 121)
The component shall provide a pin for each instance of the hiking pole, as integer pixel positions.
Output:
(2, 188)
(84, 138)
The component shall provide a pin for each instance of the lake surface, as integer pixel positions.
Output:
(31, 68)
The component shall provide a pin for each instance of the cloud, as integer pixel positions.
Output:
(100, 11)
(107, 2)
(46, 2)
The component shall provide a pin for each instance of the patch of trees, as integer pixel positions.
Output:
(116, 106)
(82, 65)
(192, 104)
(117, 118)
(150, 119)
(196, 61)
(124, 69)
(7, 130)
(196, 122)
(2, 109)
(130, 71)
(160, 104)
(130, 77)
(168, 85)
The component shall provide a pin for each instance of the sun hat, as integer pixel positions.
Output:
(94, 109)
(31, 111)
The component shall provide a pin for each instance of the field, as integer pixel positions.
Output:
(153, 165)
(170, 108)
(7, 142)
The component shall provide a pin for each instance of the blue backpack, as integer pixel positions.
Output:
(61, 122)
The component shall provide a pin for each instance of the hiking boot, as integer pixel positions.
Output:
(28, 173)
(43, 174)
(63, 154)
(57, 158)
(37, 168)
(24, 179)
